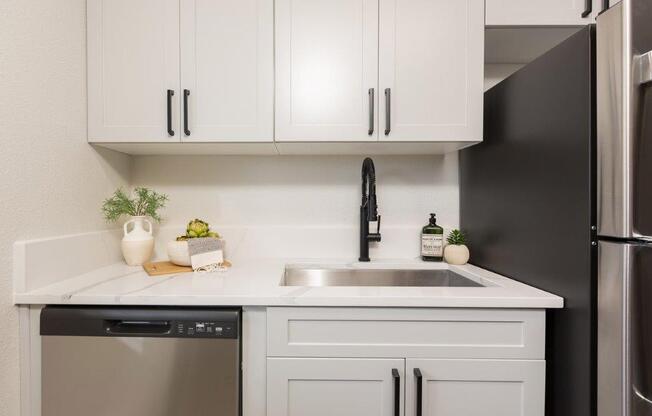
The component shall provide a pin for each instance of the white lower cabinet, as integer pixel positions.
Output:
(334, 386)
(444, 362)
(446, 387)
(396, 387)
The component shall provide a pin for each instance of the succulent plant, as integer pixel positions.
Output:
(456, 238)
(198, 229)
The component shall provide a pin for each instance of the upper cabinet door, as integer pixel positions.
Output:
(431, 70)
(326, 70)
(133, 70)
(542, 12)
(227, 70)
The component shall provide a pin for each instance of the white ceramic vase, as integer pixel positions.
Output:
(456, 254)
(138, 242)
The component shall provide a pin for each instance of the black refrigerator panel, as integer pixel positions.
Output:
(527, 204)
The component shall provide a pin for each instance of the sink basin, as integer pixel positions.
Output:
(314, 276)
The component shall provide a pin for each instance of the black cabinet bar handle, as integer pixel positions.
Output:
(388, 111)
(170, 95)
(186, 93)
(371, 111)
(397, 392)
(417, 374)
(588, 8)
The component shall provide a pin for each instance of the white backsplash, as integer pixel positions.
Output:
(304, 242)
(321, 191)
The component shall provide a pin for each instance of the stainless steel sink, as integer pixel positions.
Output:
(314, 276)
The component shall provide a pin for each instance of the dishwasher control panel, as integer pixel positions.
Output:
(128, 321)
(204, 329)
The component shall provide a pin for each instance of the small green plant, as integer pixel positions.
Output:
(456, 238)
(198, 229)
(145, 202)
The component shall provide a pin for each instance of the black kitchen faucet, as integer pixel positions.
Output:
(368, 208)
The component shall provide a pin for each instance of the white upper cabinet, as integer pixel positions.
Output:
(221, 90)
(425, 85)
(431, 70)
(326, 65)
(227, 70)
(291, 76)
(542, 12)
(133, 61)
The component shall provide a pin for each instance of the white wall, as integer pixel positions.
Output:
(52, 181)
(294, 190)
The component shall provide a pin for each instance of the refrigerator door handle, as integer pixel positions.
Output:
(644, 67)
(641, 396)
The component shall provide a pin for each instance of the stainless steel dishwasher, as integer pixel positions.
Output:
(108, 361)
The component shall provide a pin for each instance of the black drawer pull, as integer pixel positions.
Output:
(417, 374)
(397, 392)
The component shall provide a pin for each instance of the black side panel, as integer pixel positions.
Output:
(527, 202)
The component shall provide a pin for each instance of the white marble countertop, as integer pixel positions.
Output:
(258, 283)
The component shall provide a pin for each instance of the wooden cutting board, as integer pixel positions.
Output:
(160, 268)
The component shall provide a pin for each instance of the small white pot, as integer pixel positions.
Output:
(178, 253)
(456, 254)
(137, 242)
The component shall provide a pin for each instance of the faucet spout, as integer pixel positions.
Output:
(368, 209)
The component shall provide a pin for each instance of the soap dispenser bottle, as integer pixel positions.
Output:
(432, 241)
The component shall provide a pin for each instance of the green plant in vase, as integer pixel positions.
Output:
(456, 252)
(144, 203)
(137, 242)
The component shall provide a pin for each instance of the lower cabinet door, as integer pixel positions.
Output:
(474, 387)
(335, 387)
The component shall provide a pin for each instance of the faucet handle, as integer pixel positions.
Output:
(375, 236)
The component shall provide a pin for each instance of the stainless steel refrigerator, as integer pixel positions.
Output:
(559, 196)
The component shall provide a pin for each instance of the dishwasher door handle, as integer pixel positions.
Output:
(138, 327)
